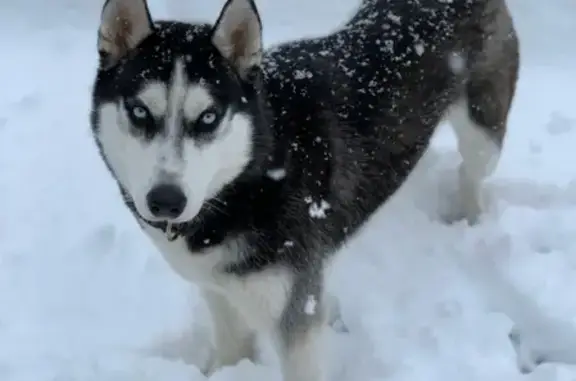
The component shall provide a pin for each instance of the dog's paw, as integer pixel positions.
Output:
(462, 209)
(334, 314)
(339, 326)
(217, 362)
(193, 347)
(211, 365)
(468, 202)
(456, 215)
(527, 359)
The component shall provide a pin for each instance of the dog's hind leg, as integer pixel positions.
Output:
(480, 146)
(480, 117)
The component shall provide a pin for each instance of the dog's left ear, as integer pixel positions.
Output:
(238, 35)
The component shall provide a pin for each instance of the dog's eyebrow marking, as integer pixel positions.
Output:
(197, 100)
(154, 96)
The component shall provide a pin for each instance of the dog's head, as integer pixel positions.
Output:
(177, 106)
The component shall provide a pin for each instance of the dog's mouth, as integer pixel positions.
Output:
(173, 231)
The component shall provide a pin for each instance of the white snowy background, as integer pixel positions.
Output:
(84, 296)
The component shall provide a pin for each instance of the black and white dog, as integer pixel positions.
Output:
(249, 168)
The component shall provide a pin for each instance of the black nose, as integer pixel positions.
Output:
(166, 200)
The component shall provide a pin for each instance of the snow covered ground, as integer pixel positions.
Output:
(84, 295)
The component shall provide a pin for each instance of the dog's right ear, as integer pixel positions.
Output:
(124, 24)
(238, 35)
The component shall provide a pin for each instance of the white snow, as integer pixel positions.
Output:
(456, 62)
(310, 305)
(85, 296)
(276, 173)
(318, 209)
(419, 48)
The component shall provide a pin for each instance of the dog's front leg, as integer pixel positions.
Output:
(233, 340)
(300, 355)
(299, 333)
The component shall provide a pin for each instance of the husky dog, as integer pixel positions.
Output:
(249, 168)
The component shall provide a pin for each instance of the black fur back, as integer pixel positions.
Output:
(351, 114)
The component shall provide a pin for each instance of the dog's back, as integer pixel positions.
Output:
(385, 81)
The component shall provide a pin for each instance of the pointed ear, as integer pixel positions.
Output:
(238, 35)
(124, 24)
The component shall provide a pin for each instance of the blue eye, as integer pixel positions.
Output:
(208, 117)
(140, 116)
(207, 122)
(139, 113)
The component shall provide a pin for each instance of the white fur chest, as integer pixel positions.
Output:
(260, 297)
(199, 268)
